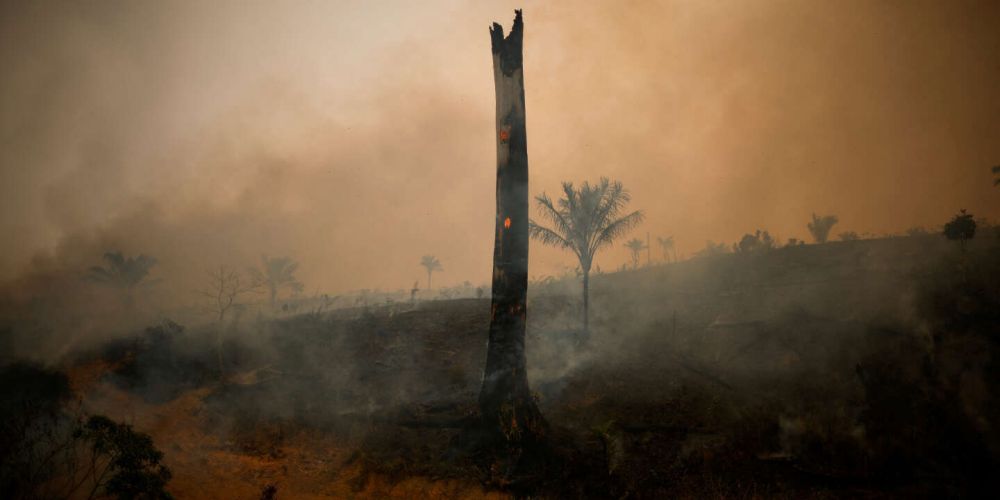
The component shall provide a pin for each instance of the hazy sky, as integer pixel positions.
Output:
(357, 136)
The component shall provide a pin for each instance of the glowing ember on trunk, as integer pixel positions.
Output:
(506, 223)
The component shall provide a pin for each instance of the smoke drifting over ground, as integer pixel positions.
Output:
(357, 139)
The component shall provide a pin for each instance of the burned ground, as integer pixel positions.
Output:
(853, 369)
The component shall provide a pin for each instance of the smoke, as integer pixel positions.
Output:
(356, 138)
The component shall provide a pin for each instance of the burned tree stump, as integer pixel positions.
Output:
(506, 405)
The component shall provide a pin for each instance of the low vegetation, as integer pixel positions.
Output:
(820, 227)
(50, 449)
(794, 373)
(961, 228)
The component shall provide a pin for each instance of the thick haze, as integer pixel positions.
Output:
(357, 136)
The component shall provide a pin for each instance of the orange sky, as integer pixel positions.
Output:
(357, 136)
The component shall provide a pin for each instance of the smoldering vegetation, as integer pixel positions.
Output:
(858, 368)
(848, 368)
(153, 152)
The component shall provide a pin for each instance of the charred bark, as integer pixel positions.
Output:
(506, 404)
(586, 303)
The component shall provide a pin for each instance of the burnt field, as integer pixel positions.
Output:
(297, 250)
(853, 369)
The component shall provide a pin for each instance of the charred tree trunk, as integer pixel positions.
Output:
(586, 304)
(505, 401)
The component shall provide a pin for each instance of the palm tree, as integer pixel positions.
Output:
(431, 263)
(584, 221)
(666, 245)
(636, 246)
(276, 273)
(820, 227)
(123, 273)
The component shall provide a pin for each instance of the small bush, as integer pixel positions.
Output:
(132, 465)
(961, 228)
(760, 241)
(48, 451)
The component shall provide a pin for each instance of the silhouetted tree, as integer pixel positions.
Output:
(122, 273)
(276, 273)
(666, 246)
(961, 228)
(129, 464)
(757, 242)
(49, 451)
(223, 288)
(649, 251)
(431, 264)
(820, 227)
(32, 400)
(636, 246)
(584, 221)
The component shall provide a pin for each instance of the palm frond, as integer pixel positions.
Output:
(584, 218)
(276, 272)
(550, 237)
(617, 228)
(550, 212)
(115, 259)
(431, 263)
(636, 244)
(612, 197)
(99, 274)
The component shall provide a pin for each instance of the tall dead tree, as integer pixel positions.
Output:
(505, 401)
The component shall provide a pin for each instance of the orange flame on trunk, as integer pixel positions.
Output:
(506, 223)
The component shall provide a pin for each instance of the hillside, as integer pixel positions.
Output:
(862, 368)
